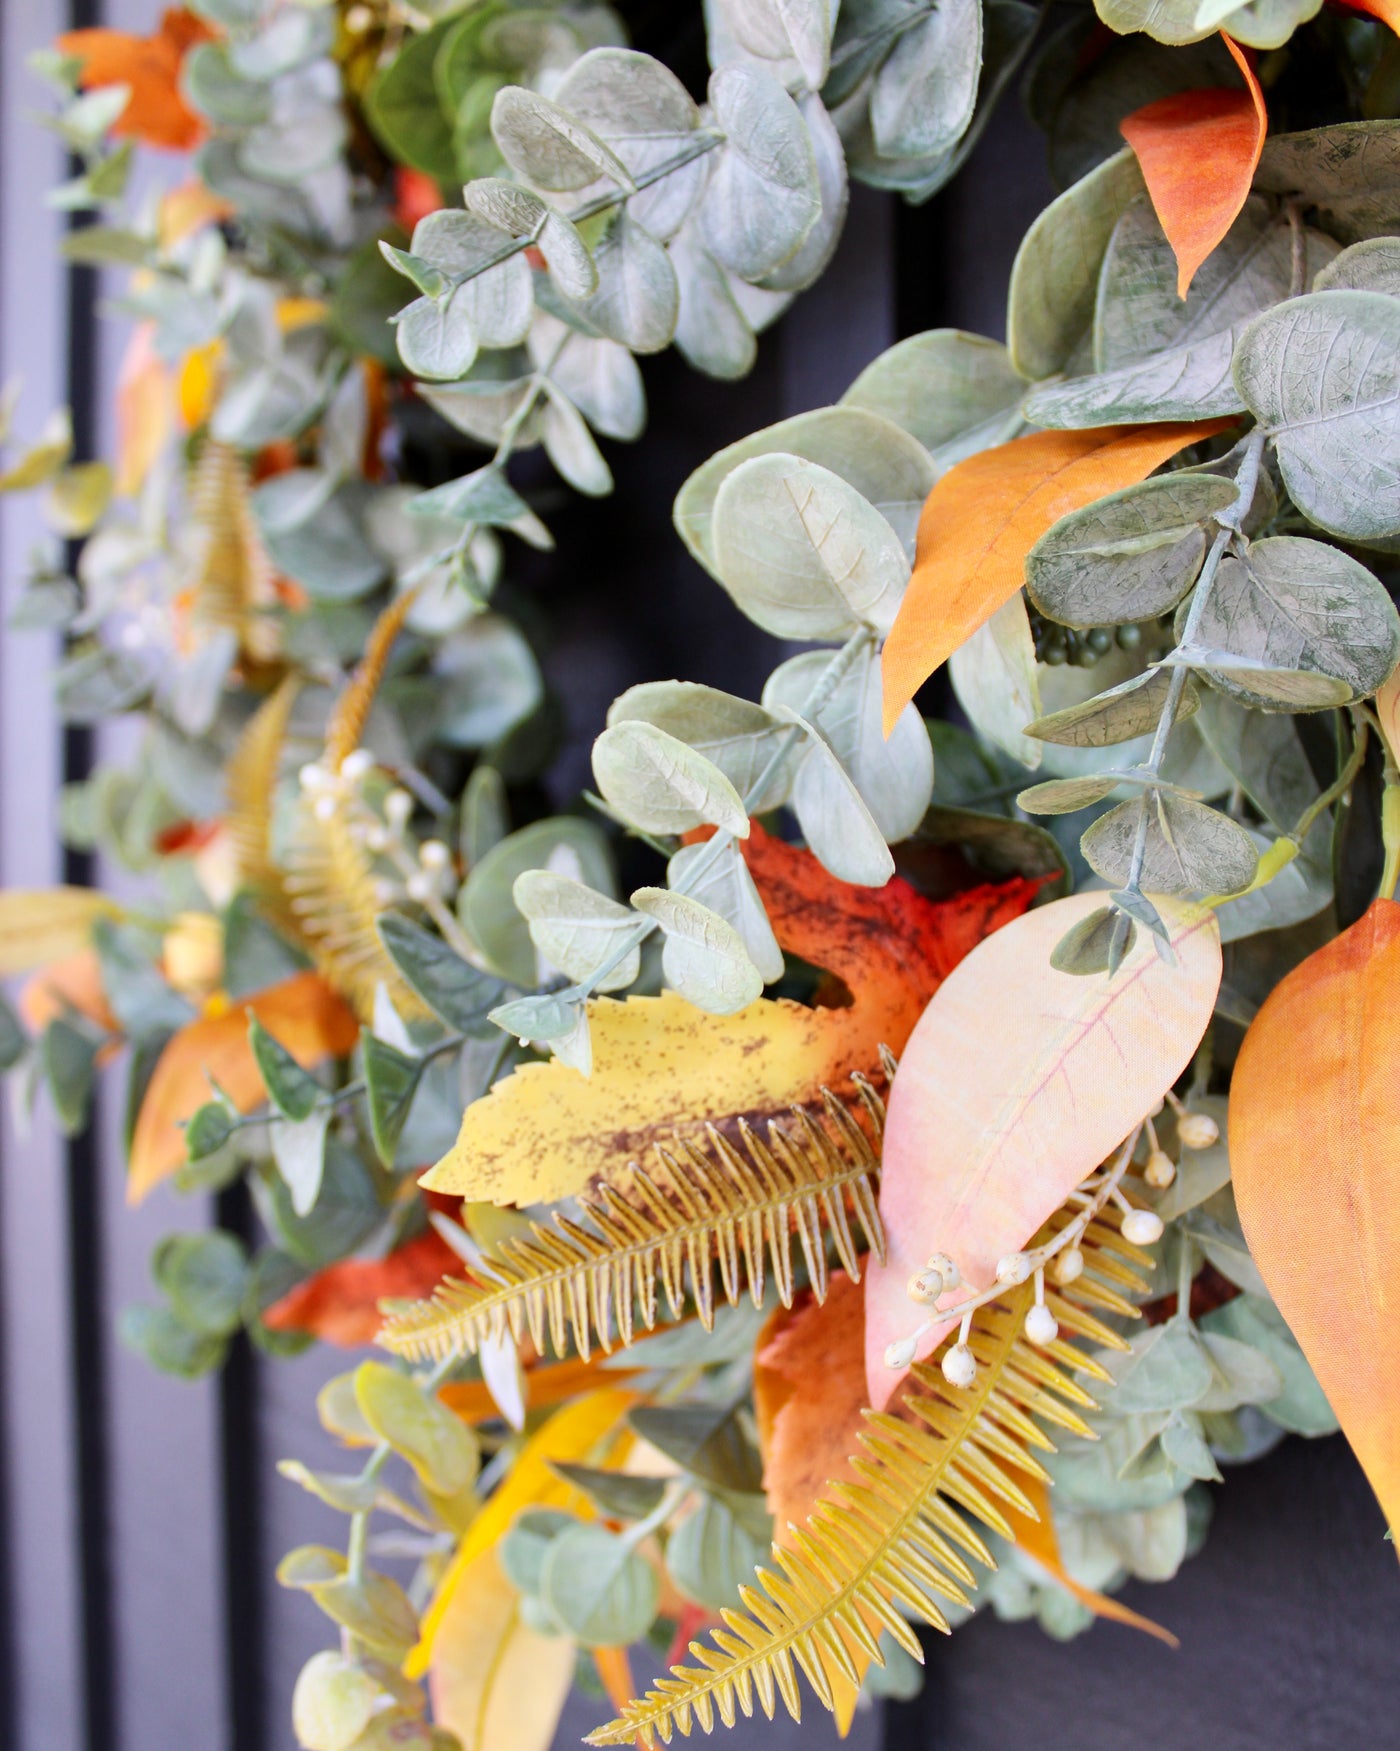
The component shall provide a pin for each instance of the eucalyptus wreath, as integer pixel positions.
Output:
(1072, 1058)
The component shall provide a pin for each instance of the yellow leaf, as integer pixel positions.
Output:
(1018, 1081)
(198, 383)
(570, 1434)
(45, 459)
(984, 516)
(303, 1013)
(78, 498)
(1314, 1142)
(38, 925)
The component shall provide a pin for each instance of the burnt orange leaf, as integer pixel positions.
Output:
(73, 982)
(1314, 1141)
(302, 1012)
(187, 209)
(663, 1069)
(340, 1305)
(983, 517)
(1037, 1538)
(155, 111)
(1198, 151)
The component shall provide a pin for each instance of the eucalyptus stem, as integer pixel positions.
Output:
(357, 1548)
(1185, 1273)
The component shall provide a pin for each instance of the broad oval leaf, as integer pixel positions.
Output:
(577, 929)
(1016, 1083)
(1189, 847)
(954, 392)
(1372, 266)
(922, 98)
(703, 957)
(547, 146)
(725, 886)
(997, 682)
(438, 1445)
(763, 196)
(833, 816)
(661, 785)
(487, 902)
(598, 1587)
(436, 338)
(498, 300)
(741, 738)
(637, 298)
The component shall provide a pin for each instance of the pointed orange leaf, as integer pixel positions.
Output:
(155, 111)
(302, 1012)
(1018, 1081)
(1198, 151)
(983, 517)
(340, 1305)
(1314, 1142)
(71, 982)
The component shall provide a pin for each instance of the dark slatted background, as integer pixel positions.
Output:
(140, 1518)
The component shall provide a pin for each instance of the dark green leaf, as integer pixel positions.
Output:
(459, 994)
(158, 1337)
(391, 1082)
(615, 1493)
(68, 1056)
(292, 1090)
(708, 1441)
(204, 1277)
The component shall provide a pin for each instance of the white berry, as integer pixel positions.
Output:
(1160, 1170)
(357, 765)
(314, 777)
(1142, 1227)
(376, 838)
(1041, 1325)
(1068, 1266)
(1197, 1130)
(960, 1366)
(398, 806)
(324, 807)
(1014, 1268)
(946, 1269)
(419, 886)
(901, 1353)
(925, 1287)
(433, 854)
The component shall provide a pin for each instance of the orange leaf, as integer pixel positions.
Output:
(155, 111)
(187, 209)
(546, 1384)
(74, 982)
(340, 1305)
(1314, 1142)
(145, 408)
(983, 517)
(1198, 151)
(302, 1012)
(1037, 1538)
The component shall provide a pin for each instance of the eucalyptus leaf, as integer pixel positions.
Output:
(838, 827)
(1372, 266)
(403, 109)
(637, 299)
(1190, 848)
(376, 1611)
(203, 1276)
(711, 331)
(1122, 713)
(1066, 796)
(498, 302)
(725, 887)
(662, 786)
(922, 97)
(955, 392)
(1348, 172)
(1165, 1369)
(436, 338)
(1301, 1405)
(570, 447)
(617, 1493)
(995, 678)
(1186, 1447)
(1241, 1374)
(546, 146)
(526, 1544)
(1099, 943)
(710, 1556)
(438, 1445)
(704, 957)
(577, 929)
(741, 738)
(487, 901)
(599, 1589)
(811, 259)
(299, 1150)
(763, 195)
(68, 1056)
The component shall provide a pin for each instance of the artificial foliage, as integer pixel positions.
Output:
(965, 1134)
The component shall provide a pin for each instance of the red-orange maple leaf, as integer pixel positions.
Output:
(156, 112)
(340, 1305)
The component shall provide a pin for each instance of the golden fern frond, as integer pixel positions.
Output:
(232, 576)
(901, 1535)
(729, 1204)
(329, 876)
(253, 770)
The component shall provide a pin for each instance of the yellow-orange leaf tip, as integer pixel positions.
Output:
(1199, 151)
(1314, 1142)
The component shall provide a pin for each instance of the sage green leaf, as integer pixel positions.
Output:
(706, 1440)
(1065, 796)
(570, 447)
(710, 1556)
(299, 1150)
(778, 30)
(486, 903)
(1168, 21)
(811, 259)
(214, 87)
(703, 957)
(1099, 943)
(1261, 24)
(662, 786)
(292, 1090)
(346, 1492)
(922, 98)
(546, 146)
(577, 929)
(1349, 172)
(1240, 1374)
(402, 107)
(438, 1445)
(838, 827)
(203, 1276)
(1322, 372)
(161, 1341)
(637, 300)
(955, 392)
(523, 1549)
(725, 886)
(497, 301)
(711, 332)
(485, 814)
(68, 1057)
(521, 213)
(996, 681)
(1054, 279)
(545, 1018)
(459, 994)
(391, 1085)
(601, 1591)
(1130, 556)
(1190, 848)
(882, 462)
(1300, 890)
(326, 552)
(376, 1611)
(1124, 712)
(1296, 605)
(1186, 1447)
(1165, 1369)
(741, 738)
(803, 554)
(600, 377)
(1372, 266)
(1283, 689)
(310, 1565)
(208, 1129)
(617, 1493)
(436, 339)
(762, 196)
(894, 776)
(1301, 1405)
(483, 496)
(1264, 756)
(488, 682)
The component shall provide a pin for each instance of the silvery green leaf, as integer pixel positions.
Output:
(1064, 796)
(546, 1018)
(1215, 1227)
(995, 679)
(741, 738)
(577, 929)
(782, 30)
(486, 680)
(600, 377)
(570, 447)
(803, 554)
(1323, 373)
(485, 814)
(212, 86)
(325, 552)
(1300, 890)
(922, 98)
(436, 339)
(1131, 709)
(1264, 756)
(726, 887)
(1372, 266)
(711, 332)
(647, 117)
(894, 777)
(498, 300)
(486, 904)
(1138, 907)
(1261, 24)
(1190, 848)
(196, 682)
(1130, 556)
(598, 1587)
(704, 958)
(835, 822)
(299, 1150)
(1270, 689)
(955, 392)
(1165, 1369)
(1167, 21)
(762, 196)
(1240, 1374)
(710, 1555)
(880, 460)
(1098, 943)
(1293, 604)
(1054, 279)
(483, 496)
(522, 213)
(637, 299)
(547, 146)
(1301, 1406)
(660, 785)
(819, 245)
(286, 40)
(1186, 1447)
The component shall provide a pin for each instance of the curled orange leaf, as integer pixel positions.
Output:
(1199, 151)
(155, 112)
(302, 1012)
(1314, 1141)
(983, 517)
(340, 1305)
